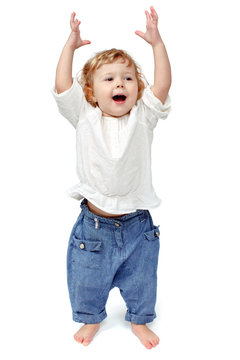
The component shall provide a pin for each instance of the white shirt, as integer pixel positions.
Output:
(113, 154)
(114, 131)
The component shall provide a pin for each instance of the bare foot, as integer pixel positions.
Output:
(147, 337)
(86, 333)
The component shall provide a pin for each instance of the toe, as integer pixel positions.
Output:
(155, 342)
(148, 345)
(86, 341)
(79, 339)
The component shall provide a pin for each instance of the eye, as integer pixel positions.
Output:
(128, 78)
(109, 79)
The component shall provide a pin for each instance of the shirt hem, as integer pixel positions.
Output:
(78, 194)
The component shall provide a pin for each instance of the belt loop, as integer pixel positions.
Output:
(118, 238)
(142, 216)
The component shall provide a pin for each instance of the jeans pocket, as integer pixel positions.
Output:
(152, 234)
(86, 253)
(152, 245)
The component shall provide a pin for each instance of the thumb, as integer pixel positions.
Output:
(140, 33)
(86, 42)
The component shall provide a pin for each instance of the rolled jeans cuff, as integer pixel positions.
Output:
(139, 319)
(89, 319)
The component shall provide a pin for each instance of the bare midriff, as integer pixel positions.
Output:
(100, 212)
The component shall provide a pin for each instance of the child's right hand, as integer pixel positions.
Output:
(74, 40)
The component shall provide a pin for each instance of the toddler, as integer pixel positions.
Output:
(114, 241)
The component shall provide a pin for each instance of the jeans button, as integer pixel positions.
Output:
(156, 233)
(117, 224)
(82, 246)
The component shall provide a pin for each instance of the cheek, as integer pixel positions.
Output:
(98, 94)
(135, 92)
(135, 89)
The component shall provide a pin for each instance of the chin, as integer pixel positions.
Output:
(115, 112)
(121, 113)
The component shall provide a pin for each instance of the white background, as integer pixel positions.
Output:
(195, 172)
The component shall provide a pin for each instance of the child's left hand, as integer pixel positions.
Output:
(151, 35)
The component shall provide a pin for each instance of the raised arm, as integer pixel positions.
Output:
(162, 69)
(63, 79)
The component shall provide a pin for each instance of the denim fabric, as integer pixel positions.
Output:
(104, 253)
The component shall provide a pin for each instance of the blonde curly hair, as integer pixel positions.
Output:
(107, 57)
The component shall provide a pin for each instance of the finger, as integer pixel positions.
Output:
(151, 16)
(72, 18)
(75, 25)
(154, 13)
(153, 10)
(148, 17)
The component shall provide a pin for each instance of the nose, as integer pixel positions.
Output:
(119, 83)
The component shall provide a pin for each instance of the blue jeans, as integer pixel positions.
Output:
(107, 252)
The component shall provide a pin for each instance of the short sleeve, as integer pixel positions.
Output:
(70, 102)
(154, 109)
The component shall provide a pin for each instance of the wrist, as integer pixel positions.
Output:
(69, 46)
(71, 42)
(158, 44)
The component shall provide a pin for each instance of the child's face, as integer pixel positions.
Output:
(111, 80)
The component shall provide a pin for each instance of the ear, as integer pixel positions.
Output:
(90, 96)
(91, 93)
(94, 99)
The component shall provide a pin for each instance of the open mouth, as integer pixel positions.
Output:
(119, 98)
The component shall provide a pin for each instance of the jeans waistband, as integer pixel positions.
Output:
(138, 215)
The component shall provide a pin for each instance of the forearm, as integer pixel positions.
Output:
(162, 71)
(63, 79)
